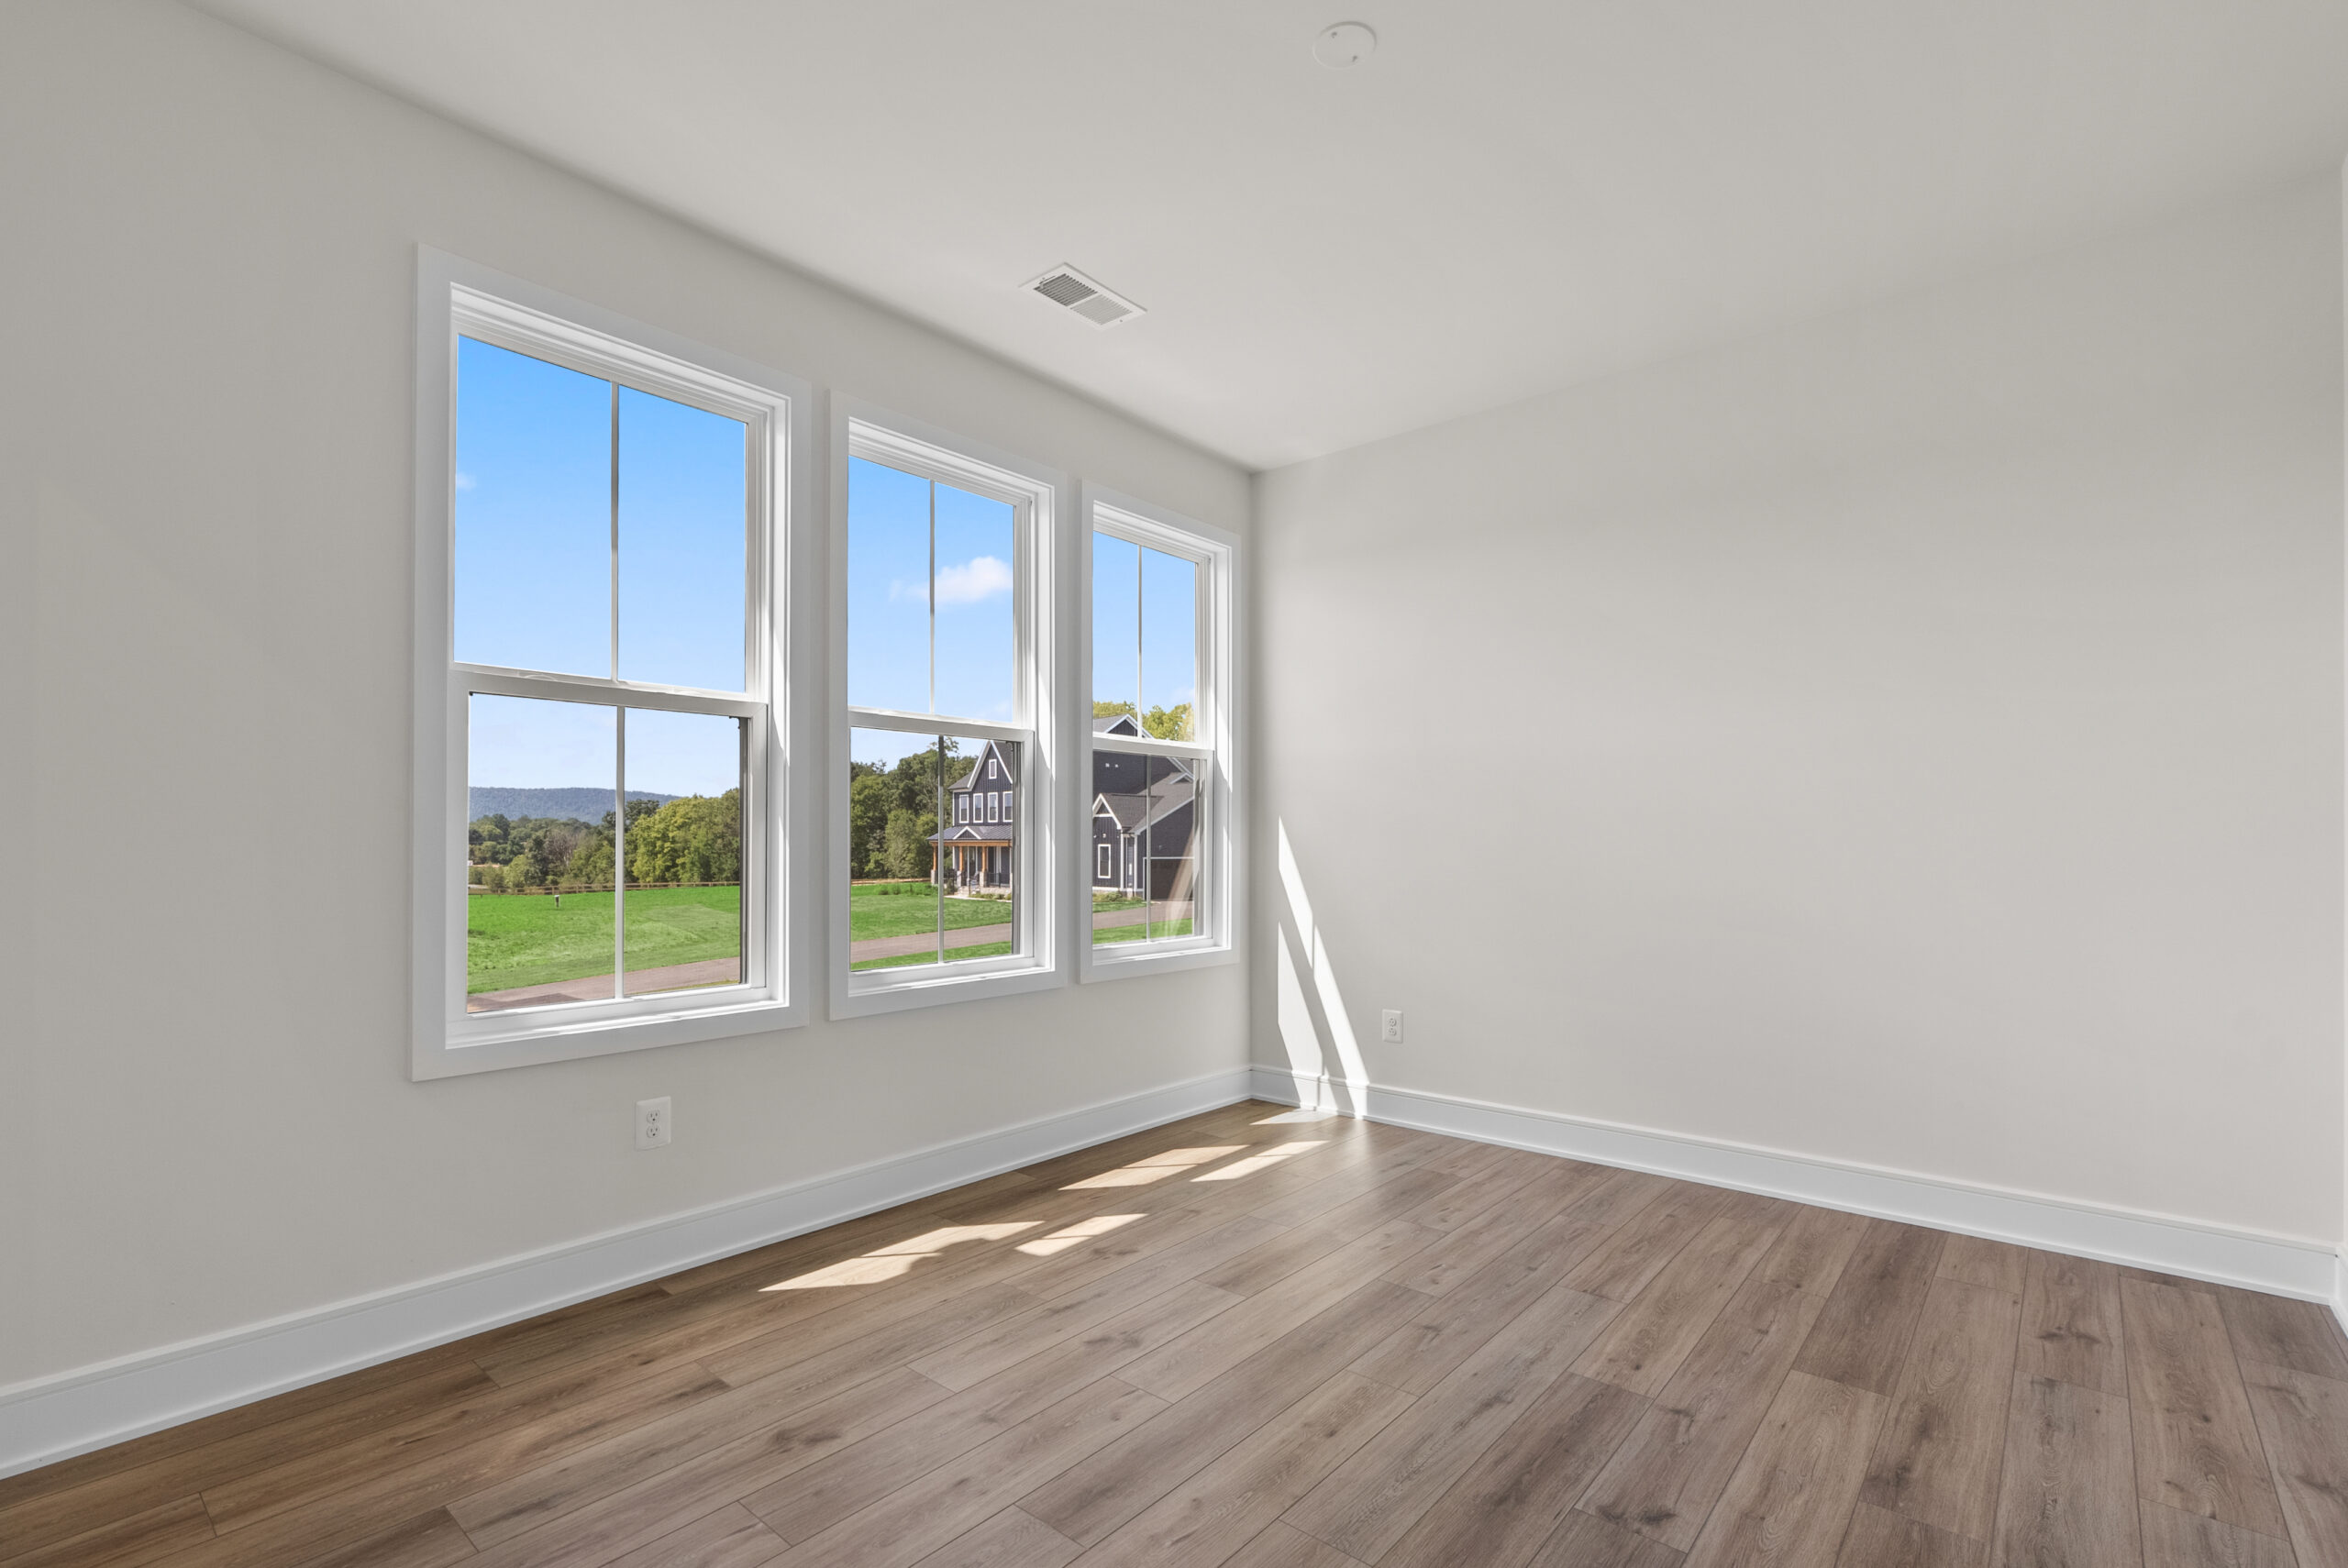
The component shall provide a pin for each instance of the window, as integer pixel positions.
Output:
(599, 814)
(1102, 855)
(944, 636)
(1160, 596)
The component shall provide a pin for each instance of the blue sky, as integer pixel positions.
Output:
(535, 569)
(1145, 625)
(889, 593)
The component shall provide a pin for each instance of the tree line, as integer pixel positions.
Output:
(1164, 723)
(694, 838)
(892, 813)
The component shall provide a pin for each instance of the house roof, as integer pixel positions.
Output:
(1135, 811)
(976, 779)
(995, 834)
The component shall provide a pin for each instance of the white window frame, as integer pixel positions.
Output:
(1215, 754)
(1034, 494)
(457, 298)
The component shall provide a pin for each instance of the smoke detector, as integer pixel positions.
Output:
(1072, 290)
(1343, 46)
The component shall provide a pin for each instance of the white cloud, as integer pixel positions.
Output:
(464, 481)
(983, 577)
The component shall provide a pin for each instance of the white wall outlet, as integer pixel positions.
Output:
(652, 1127)
(1390, 1026)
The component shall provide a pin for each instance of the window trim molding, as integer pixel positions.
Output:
(1222, 855)
(864, 430)
(450, 290)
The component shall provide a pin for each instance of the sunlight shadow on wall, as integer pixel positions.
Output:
(1321, 1051)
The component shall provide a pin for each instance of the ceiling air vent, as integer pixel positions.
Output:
(1066, 287)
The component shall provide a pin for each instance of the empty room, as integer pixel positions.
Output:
(1217, 785)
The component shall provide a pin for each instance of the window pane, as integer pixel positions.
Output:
(681, 500)
(976, 649)
(888, 589)
(919, 894)
(895, 907)
(538, 914)
(1171, 845)
(1117, 627)
(1144, 848)
(979, 855)
(682, 911)
(533, 514)
(1170, 645)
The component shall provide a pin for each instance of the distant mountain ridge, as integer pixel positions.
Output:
(582, 805)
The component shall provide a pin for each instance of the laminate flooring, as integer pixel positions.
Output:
(1262, 1340)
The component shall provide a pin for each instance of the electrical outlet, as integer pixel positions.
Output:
(652, 1124)
(1391, 1026)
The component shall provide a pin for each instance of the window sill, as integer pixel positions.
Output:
(1104, 966)
(598, 1037)
(850, 1000)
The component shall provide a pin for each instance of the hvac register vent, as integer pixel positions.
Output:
(1072, 290)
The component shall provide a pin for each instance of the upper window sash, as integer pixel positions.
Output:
(764, 415)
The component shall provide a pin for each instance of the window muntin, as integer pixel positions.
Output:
(941, 669)
(615, 570)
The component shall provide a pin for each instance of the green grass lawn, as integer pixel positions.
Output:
(954, 955)
(1164, 928)
(871, 913)
(516, 939)
(910, 909)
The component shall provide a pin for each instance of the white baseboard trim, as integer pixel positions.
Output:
(2340, 1289)
(55, 1418)
(2279, 1265)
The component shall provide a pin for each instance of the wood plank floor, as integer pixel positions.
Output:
(1268, 1341)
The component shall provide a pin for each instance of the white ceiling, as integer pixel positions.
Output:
(1508, 196)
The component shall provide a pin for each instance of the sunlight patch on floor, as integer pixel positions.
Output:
(900, 1258)
(1157, 1167)
(1265, 1161)
(1082, 1231)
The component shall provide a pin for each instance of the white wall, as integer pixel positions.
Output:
(1911, 739)
(207, 275)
